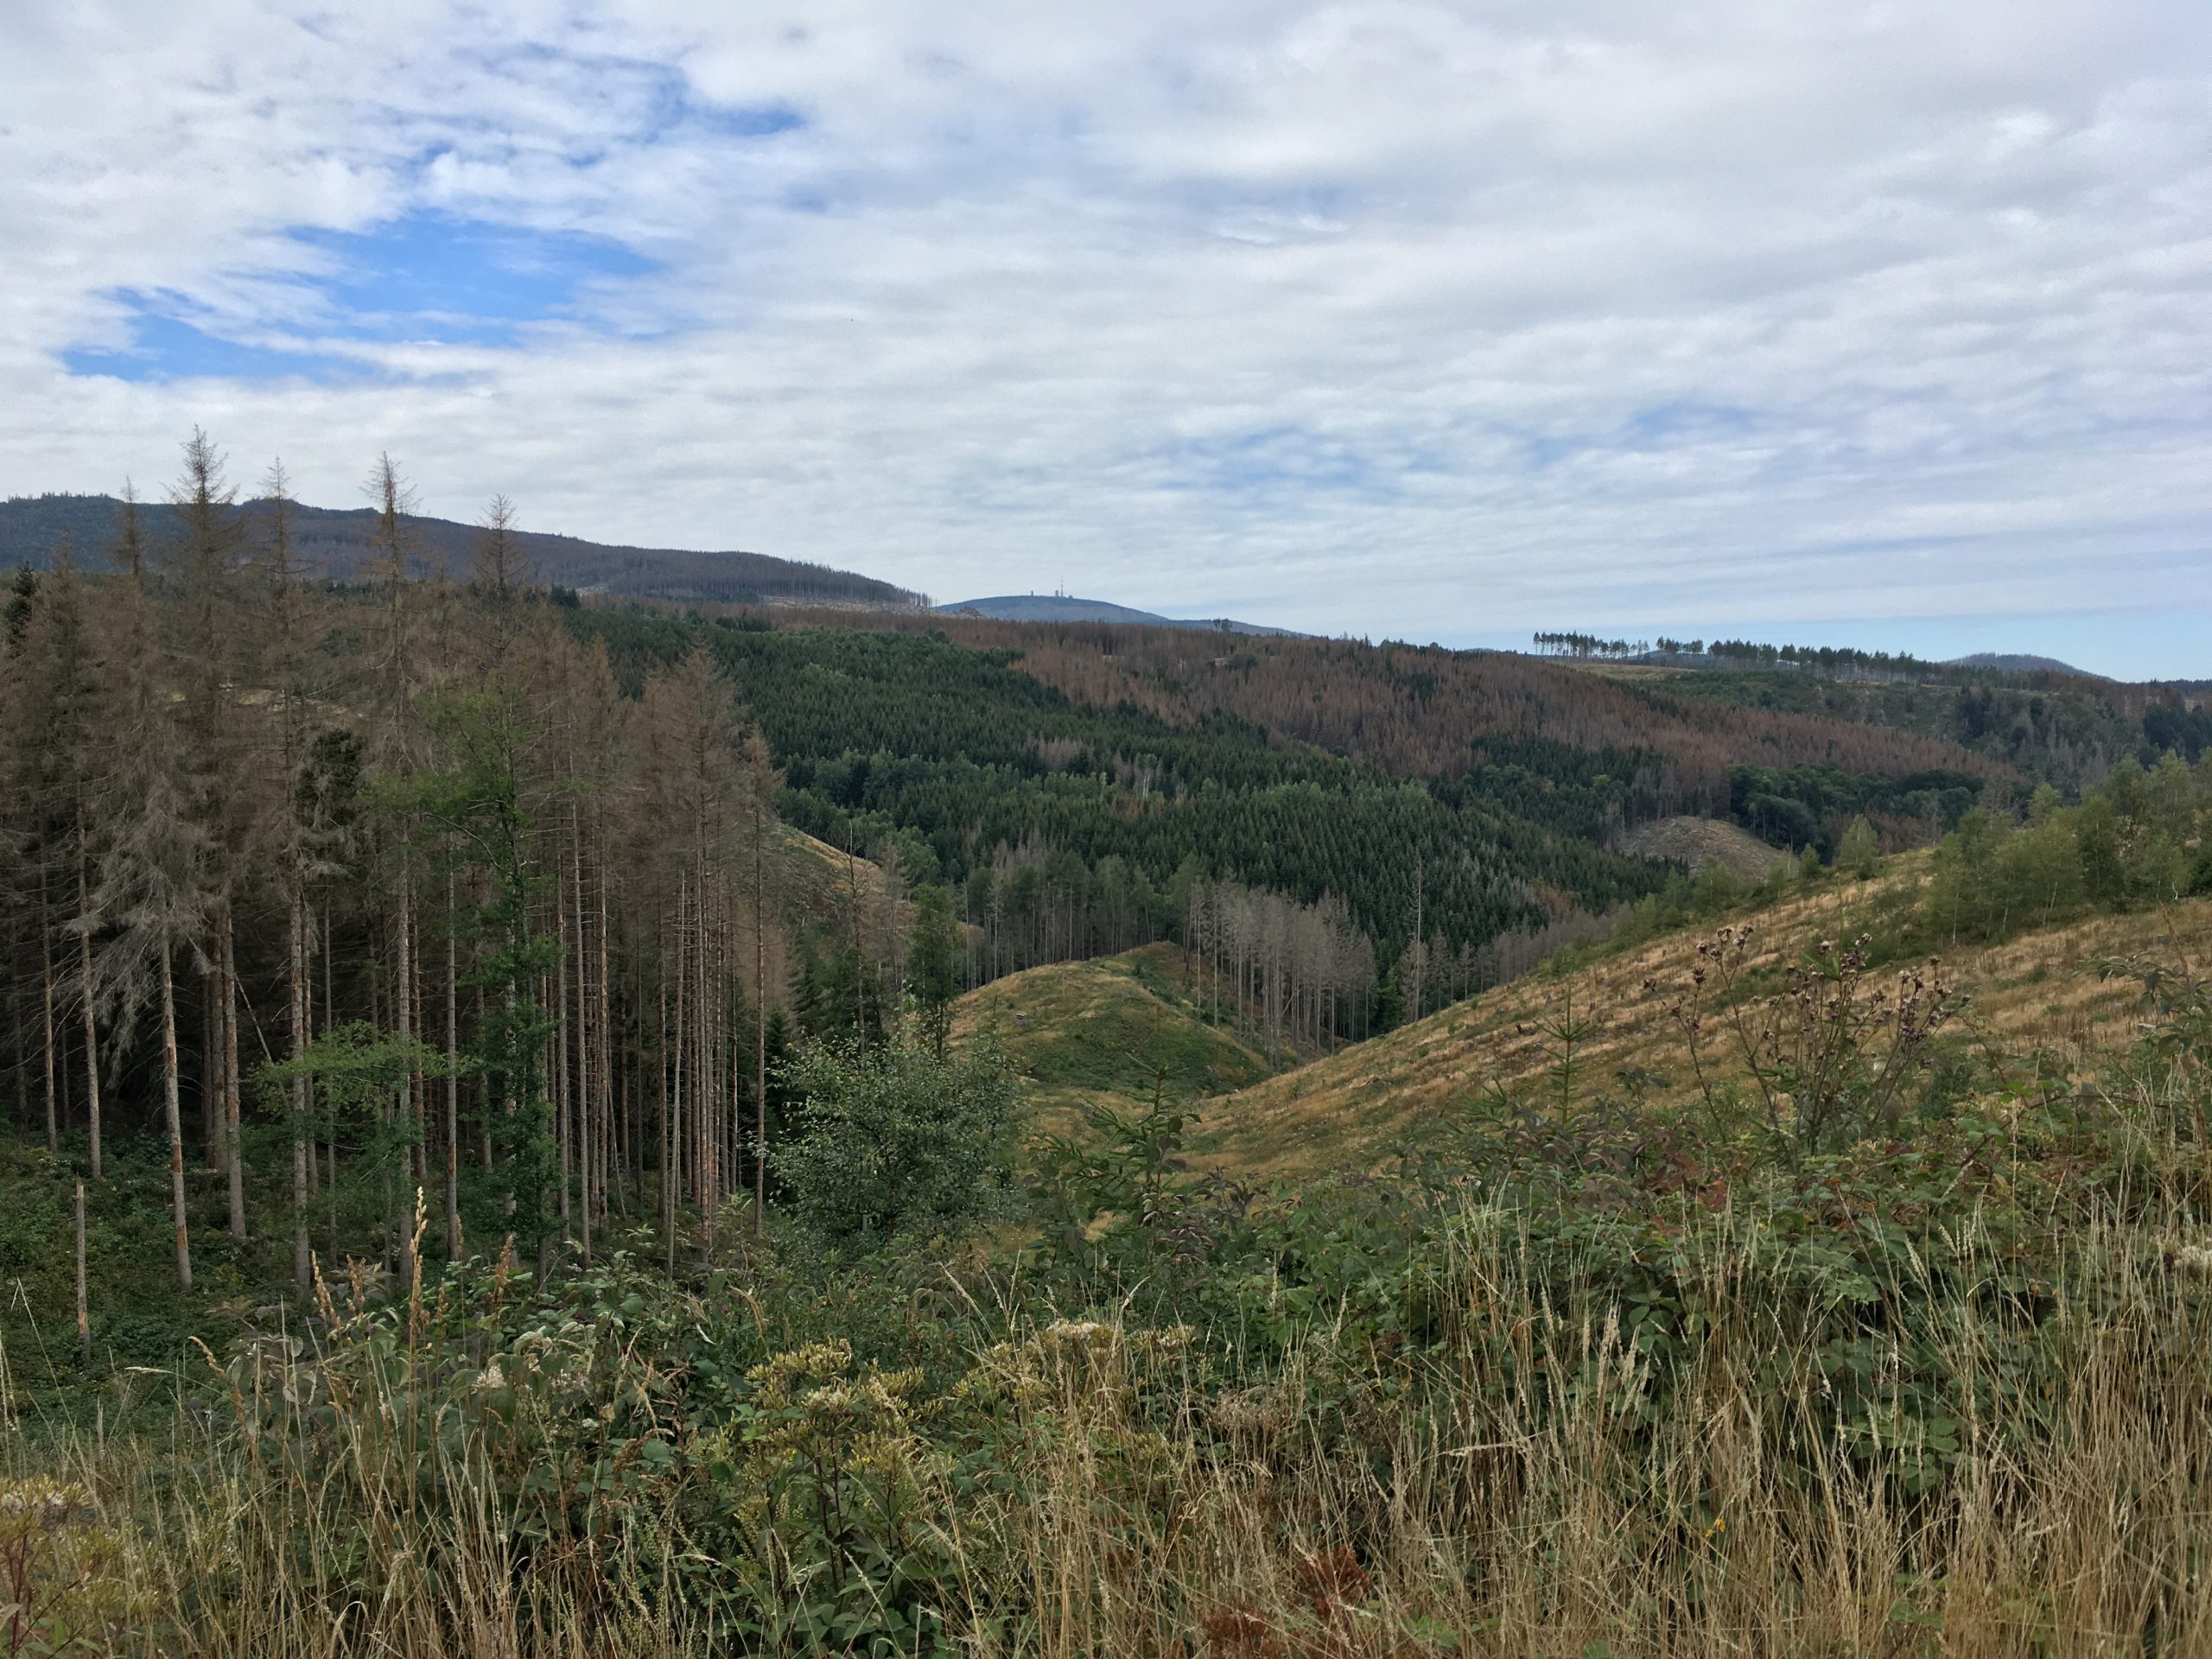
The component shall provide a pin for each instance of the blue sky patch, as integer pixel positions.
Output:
(430, 276)
(165, 348)
(660, 96)
(425, 278)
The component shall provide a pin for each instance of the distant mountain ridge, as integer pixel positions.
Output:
(1066, 608)
(2020, 662)
(337, 540)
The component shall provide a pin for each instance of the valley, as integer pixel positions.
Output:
(771, 1123)
(738, 919)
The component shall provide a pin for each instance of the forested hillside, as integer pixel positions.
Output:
(2069, 731)
(252, 810)
(1546, 743)
(340, 544)
(1072, 827)
(339, 889)
(498, 1150)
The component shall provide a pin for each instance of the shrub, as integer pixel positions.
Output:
(898, 1136)
(61, 1590)
(1860, 850)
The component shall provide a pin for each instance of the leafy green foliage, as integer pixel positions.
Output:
(354, 1073)
(1811, 805)
(900, 1136)
(2138, 842)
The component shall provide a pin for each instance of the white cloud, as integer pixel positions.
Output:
(1395, 318)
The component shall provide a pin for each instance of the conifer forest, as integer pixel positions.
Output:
(547, 1121)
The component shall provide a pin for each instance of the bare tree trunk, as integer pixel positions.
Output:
(583, 1090)
(484, 1092)
(175, 1111)
(507, 1107)
(84, 1312)
(91, 1025)
(386, 1111)
(233, 1149)
(860, 977)
(46, 992)
(329, 1020)
(667, 1129)
(678, 1104)
(211, 1068)
(761, 1019)
(608, 1116)
(302, 1143)
(405, 1120)
(452, 1076)
(702, 1078)
(563, 1102)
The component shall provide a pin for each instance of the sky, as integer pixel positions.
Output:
(1849, 322)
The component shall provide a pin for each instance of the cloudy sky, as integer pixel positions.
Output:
(1888, 323)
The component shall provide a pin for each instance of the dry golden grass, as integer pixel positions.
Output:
(1102, 1032)
(2033, 991)
(1697, 843)
(1340, 1507)
(816, 880)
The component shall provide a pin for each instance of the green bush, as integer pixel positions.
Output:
(898, 1136)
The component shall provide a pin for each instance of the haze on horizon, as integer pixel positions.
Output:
(1858, 323)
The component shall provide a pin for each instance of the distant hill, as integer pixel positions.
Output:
(1696, 843)
(337, 540)
(1107, 1030)
(2020, 662)
(1063, 607)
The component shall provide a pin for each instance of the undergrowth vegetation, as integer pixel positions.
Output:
(1880, 1345)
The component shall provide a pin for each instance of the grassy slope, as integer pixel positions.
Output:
(1697, 843)
(1349, 1108)
(816, 880)
(1104, 1030)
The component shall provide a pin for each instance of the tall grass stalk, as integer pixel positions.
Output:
(1536, 1483)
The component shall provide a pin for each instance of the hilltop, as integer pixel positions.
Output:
(1066, 608)
(1696, 844)
(1106, 1029)
(336, 541)
(2020, 662)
